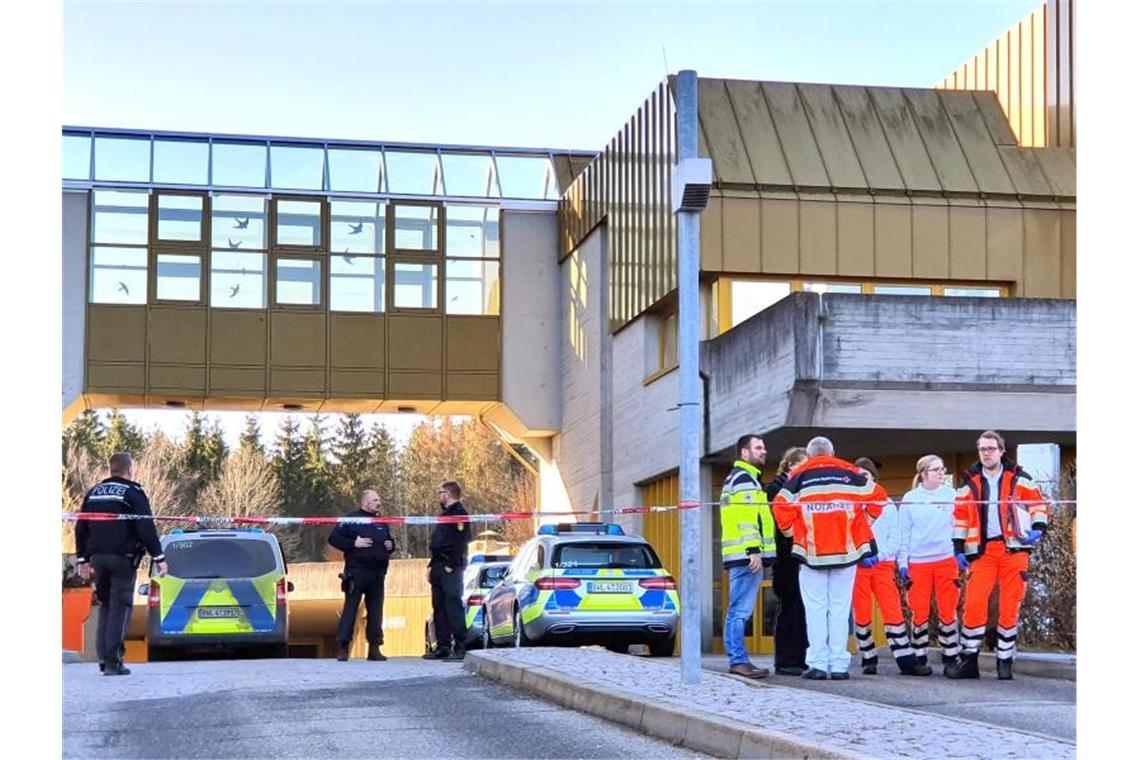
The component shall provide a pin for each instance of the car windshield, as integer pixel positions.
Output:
(220, 558)
(605, 554)
(492, 575)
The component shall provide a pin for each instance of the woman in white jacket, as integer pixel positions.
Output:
(926, 558)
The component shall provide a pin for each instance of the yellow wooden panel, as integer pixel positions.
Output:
(817, 237)
(415, 385)
(1004, 244)
(1027, 61)
(856, 250)
(473, 386)
(300, 382)
(1068, 254)
(779, 236)
(225, 379)
(415, 342)
(129, 377)
(1039, 68)
(238, 337)
(892, 240)
(741, 235)
(297, 338)
(177, 377)
(967, 243)
(931, 241)
(472, 343)
(116, 333)
(712, 248)
(991, 67)
(177, 335)
(1014, 85)
(356, 382)
(1042, 253)
(356, 340)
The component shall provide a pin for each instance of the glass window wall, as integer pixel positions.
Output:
(239, 222)
(182, 162)
(238, 164)
(297, 167)
(298, 223)
(415, 228)
(470, 174)
(122, 159)
(178, 277)
(472, 231)
(118, 275)
(356, 283)
(527, 177)
(416, 286)
(180, 217)
(298, 282)
(355, 170)
(356, 227)
(413, 172)
(472, 286)
(902, 290)
(237, 280)
(120, 216)
(972, 292)
(77, 157)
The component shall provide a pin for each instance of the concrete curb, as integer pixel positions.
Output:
(697, 730)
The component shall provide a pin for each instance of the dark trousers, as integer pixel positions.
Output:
(447, 606)
(114, 590)
(368, 583)
(791, 618)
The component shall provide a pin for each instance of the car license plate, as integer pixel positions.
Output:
(609, 587)
(218, 612)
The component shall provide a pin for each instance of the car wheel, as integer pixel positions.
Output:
(618, 648)
(157, 654)
(488, 643)
(662, 647)
(521, 639)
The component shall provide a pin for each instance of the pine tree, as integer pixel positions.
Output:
(289, 468)
(86, 433)
(122, 436)
(251, 436)
(214, 451)
(194, 457)
(320, 484)
(351, 472)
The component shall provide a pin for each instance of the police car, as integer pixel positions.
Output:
(483, 572)
(224, 589)
(584, 583)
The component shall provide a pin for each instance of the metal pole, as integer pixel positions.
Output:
(688, 338)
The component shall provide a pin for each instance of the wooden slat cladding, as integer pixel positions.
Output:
(1030, 68)
(628, 187)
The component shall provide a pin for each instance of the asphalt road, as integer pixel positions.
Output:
(324, 709)
(1044, 706)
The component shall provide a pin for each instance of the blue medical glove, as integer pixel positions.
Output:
(963, 563)
(869, 561)
(1032, 537)
(904, 574)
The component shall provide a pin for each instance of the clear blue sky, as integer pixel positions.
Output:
(563, 75)
(560, 75)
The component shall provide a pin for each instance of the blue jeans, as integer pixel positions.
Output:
(742, 588)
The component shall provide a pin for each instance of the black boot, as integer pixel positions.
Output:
(1005, 669)
(457, 653)
(116, 668)
(966, 667)
(909, 665)
(342, 653)
(439, 653)
(870, 666)
(374, 653)
(920, 659)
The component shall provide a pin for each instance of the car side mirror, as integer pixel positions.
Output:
(288, 585)
(144, 589)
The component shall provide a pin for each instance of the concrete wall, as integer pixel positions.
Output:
(891, 362)
(74, 273)
(531, 319)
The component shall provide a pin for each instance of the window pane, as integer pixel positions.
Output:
(239, 164)
(902, 290)
(237, 280)
(120, 216)
(415, 286)
(118, 275)
(412, 173)
(472, 287)
(182, 162)
(833, 287)
(122, 159)
(238, 221)
(416, 228)
(299, 223)
(465, 174)
(973, 292)
(356, 283)
(526, 177)
(180, 217)
(356, 226)
(297, 167)
(473, 231)
(298, 282)
(76, 157)
(668, 342)
(750, 298)
(177, 278)
(354, 171)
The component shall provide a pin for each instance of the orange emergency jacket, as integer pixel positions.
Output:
(827, 507)
(971, 508)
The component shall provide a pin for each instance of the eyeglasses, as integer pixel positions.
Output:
(936, 469)
(988, 449)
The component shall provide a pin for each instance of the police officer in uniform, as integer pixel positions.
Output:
(366, 547)
(111, 550)
(448, 548)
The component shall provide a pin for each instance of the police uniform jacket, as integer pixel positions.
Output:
(373, 557)
(126, 538)
(449, 540)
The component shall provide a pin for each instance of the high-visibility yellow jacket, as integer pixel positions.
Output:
(746, 524)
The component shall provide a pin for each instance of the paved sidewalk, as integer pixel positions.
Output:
(727, 717)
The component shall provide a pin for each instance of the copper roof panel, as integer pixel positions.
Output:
(867, 137)
(902, 135)
(940, 141)
(1060, 168)
(723, 135)
(758, 133)
(795, 135)
(975, 141)
(996, 122)
(831, 137)
(1024, 170)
